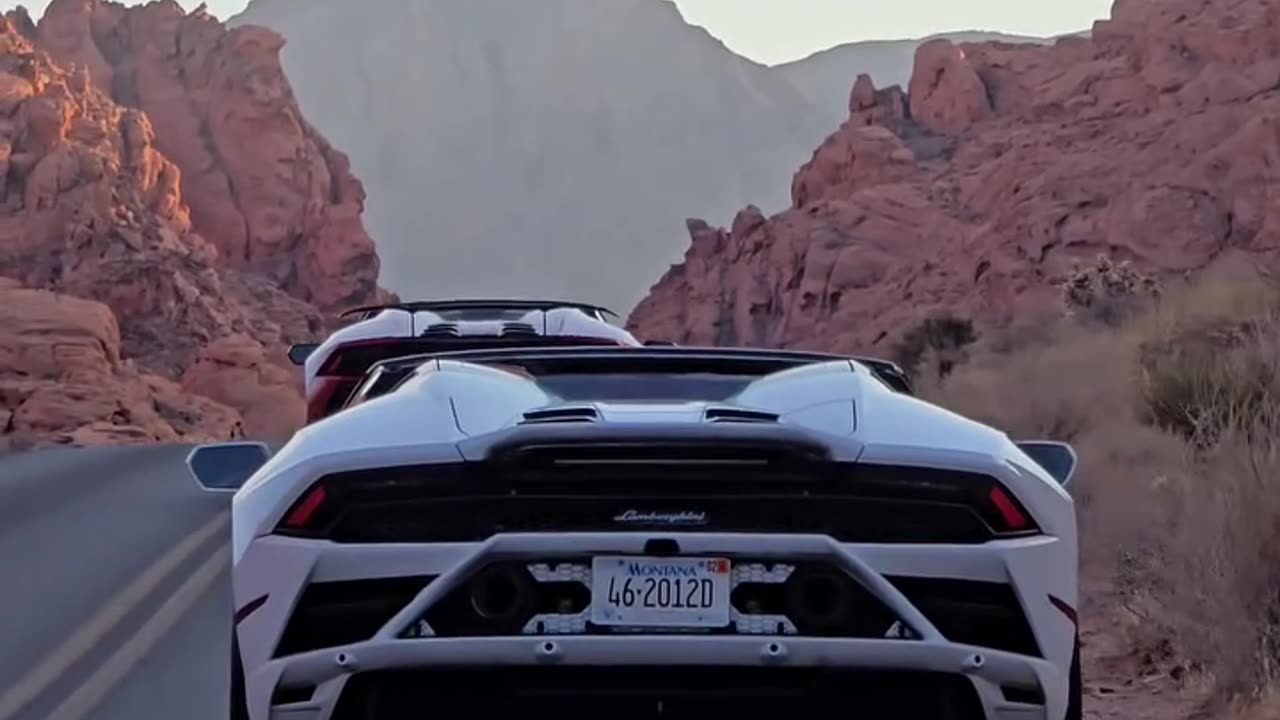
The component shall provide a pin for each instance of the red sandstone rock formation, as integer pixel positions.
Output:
(262, 185)
(235, 371)
(92, 206)
(1157, 141)
(63, 380)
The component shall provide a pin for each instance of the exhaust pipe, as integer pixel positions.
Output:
(819, 599)
(502, 594)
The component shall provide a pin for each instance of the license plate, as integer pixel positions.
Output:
(660, 592)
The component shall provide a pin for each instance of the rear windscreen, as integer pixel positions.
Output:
(658, 387)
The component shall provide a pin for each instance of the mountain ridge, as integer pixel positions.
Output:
(824, 77)
(560, 153)
(976, 191)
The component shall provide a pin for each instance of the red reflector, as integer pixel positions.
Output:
(302, 513)
(1009, 511)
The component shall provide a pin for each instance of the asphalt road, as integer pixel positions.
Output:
(115, 603)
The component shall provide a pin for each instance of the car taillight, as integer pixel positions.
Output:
(329, 498)
(382, 502)
(305, 509)
(1010, 513)
(982, 494)
(1002, 511)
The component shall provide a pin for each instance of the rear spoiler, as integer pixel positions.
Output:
(479, 304)
(650, 358)
(889, 373)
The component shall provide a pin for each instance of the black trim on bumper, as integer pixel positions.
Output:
(699, 692)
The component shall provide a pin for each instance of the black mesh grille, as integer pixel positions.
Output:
(694, 692)
(329, 614)
(985, 614)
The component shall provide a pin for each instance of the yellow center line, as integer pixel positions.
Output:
(108, 617)
(94, 690)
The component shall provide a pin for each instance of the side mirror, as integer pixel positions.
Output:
(299, 353)
(1057, 458)
(225, 467)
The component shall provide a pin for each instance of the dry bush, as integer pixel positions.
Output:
(1226, 552)
(1107, 292)
(1174, 413)
(1048, 391)
(941, 339)
(1212, 358)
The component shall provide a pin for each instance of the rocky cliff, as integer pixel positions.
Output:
(824, 77)
(267, 190)
(1155, 140)
(154, 242)
(538, 148)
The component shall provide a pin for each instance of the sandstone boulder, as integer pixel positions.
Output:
(236, 372)
(62, 380)
(947, 95)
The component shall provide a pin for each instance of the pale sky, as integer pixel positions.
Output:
(773, 31)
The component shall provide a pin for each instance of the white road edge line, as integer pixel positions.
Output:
(94, 690)
(91, 632)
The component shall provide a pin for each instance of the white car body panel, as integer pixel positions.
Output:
(394, 323)
(446, 402)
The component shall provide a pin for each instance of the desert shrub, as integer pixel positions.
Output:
(1213, 362)
(1175, 413)
(1225, 551)
(1107, 292)
(1051, 391)
(941, 338)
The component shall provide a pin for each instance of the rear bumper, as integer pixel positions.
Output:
(1003, 685)
(871, 674)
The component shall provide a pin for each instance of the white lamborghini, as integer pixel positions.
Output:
(333, 367)
(650, 532)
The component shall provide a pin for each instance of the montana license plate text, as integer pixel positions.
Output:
(660, 592)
